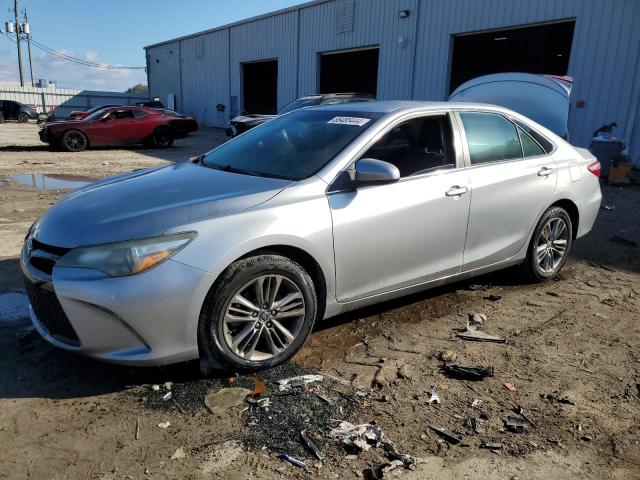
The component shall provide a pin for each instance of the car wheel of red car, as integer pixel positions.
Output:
(23, 117)
(162, 138)
(74, 141)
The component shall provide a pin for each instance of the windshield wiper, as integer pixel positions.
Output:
(230, 168)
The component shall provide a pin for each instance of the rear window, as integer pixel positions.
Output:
(546, 145)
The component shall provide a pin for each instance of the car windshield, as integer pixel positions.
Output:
(300, 103)
(95, 115)
(291, 147)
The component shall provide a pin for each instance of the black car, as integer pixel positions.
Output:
(17, 111)
(242, 123)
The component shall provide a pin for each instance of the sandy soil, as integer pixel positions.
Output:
(572, 353)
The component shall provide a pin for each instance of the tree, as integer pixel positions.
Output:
(139, 88)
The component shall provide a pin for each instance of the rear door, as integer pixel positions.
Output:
(392, 236)
(512, 179)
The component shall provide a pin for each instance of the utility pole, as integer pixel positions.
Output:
(15, 11)
(27, 30)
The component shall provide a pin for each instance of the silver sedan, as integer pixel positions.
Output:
(232, 256)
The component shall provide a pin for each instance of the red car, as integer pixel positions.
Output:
(125, 125)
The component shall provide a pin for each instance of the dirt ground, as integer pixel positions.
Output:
(572, 353)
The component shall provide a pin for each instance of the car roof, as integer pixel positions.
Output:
(389, 106)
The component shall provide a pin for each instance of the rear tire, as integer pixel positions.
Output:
(248, 335)
(162, 138)
(23, 117)
(550, 245)
(74, 141)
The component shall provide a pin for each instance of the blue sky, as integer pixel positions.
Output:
(112, 32)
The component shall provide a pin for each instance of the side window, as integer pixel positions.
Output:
(530, 147)
(417, 146)
(491, 137)
(138, 114)
(546, 145)
(122, 114)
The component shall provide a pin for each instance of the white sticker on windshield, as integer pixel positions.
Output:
(350, 121)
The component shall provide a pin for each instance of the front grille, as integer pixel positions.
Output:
(43, 257)
(47, 308)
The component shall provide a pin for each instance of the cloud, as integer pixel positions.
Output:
(69, 74)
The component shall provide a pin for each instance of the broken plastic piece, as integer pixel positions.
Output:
(448, 356)
(475, 319)
(324, 397)
(479, 336)
(469, 372)
(223, 399)
(290, 459)
(164, 424)
(167, 396)
(516, 424)
(520, 411)
(258, 387)
(451, 437)
(434, 398)
(510, 386)
(476, 402)
(260, 402)
(311, 445)
(288, 383)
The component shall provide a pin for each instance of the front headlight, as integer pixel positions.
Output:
(127, 258)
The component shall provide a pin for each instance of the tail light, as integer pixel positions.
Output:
(594, 168)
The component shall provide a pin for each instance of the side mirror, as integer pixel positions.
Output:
(370, 171)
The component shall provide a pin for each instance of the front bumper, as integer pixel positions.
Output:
(145, 319)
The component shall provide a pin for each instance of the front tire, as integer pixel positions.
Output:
(74, 141)
(550, 245)
(258, 314)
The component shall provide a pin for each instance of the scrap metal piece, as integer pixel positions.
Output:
(479, 336)
(311, 445)
(520, 411)
(517, 425)
(468, 372)
(287, 383)
(491, 445)
(167, 396)
(452, 437)
(292, 460)
(361, 437)
(434, 398)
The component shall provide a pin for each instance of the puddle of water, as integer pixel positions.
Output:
(13, 307)
(43, 181)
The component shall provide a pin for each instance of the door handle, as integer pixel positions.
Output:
(545, 172)
(456, 191)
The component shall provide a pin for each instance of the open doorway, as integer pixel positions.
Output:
(350, 71)
(260, 87)
(544, 48)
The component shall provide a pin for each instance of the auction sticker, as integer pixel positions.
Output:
(357, 121)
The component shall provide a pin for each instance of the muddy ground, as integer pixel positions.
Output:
(572, 355)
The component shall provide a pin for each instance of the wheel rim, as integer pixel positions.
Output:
(263, 317)
(76, 141)
(163, 139)
(551, 247)
(23, 117)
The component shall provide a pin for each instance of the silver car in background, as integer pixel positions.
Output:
(231, 257)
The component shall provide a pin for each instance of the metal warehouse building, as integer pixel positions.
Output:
(408, 49)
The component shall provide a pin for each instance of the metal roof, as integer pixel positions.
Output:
(241, 22)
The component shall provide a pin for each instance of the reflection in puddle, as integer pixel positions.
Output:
(13, 307)
(43, 181)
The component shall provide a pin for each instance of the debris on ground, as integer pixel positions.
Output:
(358, 437)
(167, 396)
(434, 398)
(292, 460)
(155, 388)
(516, 424)
(377, 472)
(448, 356)
(476, 319)
(264, 402)
(520, 411)
(493, 297)
(452, 437)
(258, 387)
(510, 386)
(137, 435)
(288, 383)
(224, 399)
(179, 453)
(311, 445)
(491, 445)
(476, 402)
(467, 372)
(557, 397)
(164, 424)
(473, 332)
(168, 385)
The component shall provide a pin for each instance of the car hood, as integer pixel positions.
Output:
(542, 98)
(147, 203)
(75, 121)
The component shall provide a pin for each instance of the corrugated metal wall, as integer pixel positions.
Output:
(65, 100)
(415, 53)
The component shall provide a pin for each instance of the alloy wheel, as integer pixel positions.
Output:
(263, 317)
(551, 247)
(76, 141)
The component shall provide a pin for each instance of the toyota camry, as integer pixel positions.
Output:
(233, 256)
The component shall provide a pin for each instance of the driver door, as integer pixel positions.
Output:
(117, 129)
(391, 236)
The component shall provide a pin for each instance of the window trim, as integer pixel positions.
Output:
(457, 147)
(508, 118)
